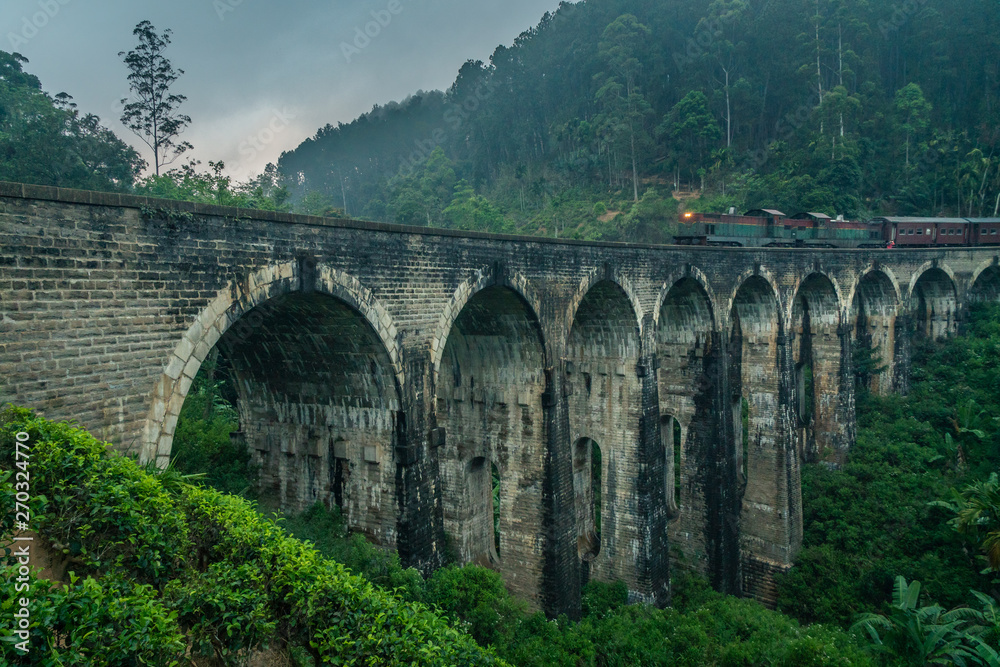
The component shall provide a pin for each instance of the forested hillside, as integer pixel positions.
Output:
(610, 115)
(840, 106)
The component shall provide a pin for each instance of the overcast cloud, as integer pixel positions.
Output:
(261, 75)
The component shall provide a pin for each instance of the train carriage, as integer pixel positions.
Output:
(985, 231)
(770, 228)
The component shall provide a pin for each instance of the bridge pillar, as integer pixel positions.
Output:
(846, 410)
(763, 411)
(618, 467)
(654, 564)
(420, 524)
(713, 433)
(901, 357)
(771, 525)
(561, 568)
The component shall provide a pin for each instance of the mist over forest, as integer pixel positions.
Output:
(846, 107)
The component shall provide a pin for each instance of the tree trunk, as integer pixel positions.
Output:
(819, 71)
(729, 115)
(840, 54)
(343, 192)
(635, 169)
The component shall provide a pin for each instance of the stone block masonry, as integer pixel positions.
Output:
(628, 398)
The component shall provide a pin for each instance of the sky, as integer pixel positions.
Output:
(260, 76)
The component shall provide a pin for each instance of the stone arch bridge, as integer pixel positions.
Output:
(628, 398)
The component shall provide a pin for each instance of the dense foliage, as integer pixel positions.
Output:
(203, 444)
(702, 628)
(46, 140)
(162, 569)
(839, 106)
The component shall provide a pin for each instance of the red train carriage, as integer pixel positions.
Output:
(921, 232)
(907, 232)
(985, 231)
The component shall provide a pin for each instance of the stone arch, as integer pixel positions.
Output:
(606, 317)
(933, 302)
(482, 279)
(318, 375)
(756, 305)
(603, 390)
(759, 280)
(230, 305)
(985, 284)
(929, 266)
(491, 401)
(885, 275)
(608, 275)
(671, 439)
(690, 296)
(479, 490)
(688, 350)
(874, 305)
(812, 285)
(817, 351)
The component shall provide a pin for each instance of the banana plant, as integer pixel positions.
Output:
(926, 635)
(977, 516)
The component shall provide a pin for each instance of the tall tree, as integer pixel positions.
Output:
(726, 25)
(626, 110)
(153, 115)
(691, 130)
(912, 114)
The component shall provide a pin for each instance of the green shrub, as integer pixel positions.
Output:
(202, 443)
(599, 598)
(230, 578)
(477, 597)
(88, 622)
(102, 512)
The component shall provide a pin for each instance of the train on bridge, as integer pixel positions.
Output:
(770, 228)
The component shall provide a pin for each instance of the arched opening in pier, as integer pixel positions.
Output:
(319, 408)
(817, 352)
(604, 397)
(588, 497)
(873, 316)
(490, 393)
(687, 350)
(986, 289)
(934, 305)
(672, 439)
